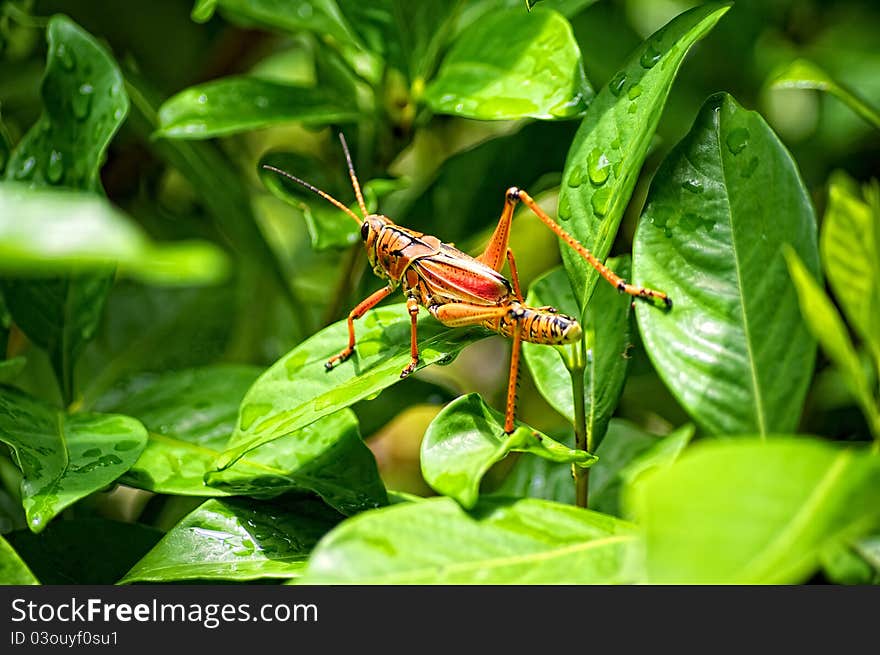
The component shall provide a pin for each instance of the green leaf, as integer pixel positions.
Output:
(502, 541)
(188, 327)
(189, 415)
(410, 36)
(238, 104)
(804, 74)
(626, 453)
(512, 65)
(84, 551)
(663, 452)
(752, 511)
(824, 322)
(733, 350)
(844, 564)
(564, 7)
(13, 571)
(84, 104)
(850, 246)
(321, 17)
(64, 457)
(5, 147)
(59, 315)
(327, 457)
(609, 149)
(237, 540)
(10, 368)
(50, 231)
(467, 437)
(297, 390)
(607, 329)
(533, 477)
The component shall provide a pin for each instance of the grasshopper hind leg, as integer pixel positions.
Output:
(412, 306)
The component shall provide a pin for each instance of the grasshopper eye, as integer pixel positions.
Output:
(365, 230)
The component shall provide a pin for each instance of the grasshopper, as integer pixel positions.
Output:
(460, 290)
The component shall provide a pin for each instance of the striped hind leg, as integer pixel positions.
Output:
(502, 319)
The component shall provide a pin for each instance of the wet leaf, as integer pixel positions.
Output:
(733, 350)
(512, 65)
(237, 540)
(466, 438)
(297, 390)
(190, 415)
(609, 149)
(503, 541)
(238, 104)
(754, 511)
(64, 457)
(326, 457)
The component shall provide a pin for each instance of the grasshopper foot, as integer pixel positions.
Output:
(409, 369)
(338, 359)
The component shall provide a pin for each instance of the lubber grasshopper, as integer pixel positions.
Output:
(459, 290)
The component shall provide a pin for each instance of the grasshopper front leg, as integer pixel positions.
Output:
(362, 308)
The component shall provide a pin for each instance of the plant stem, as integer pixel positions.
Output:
(581, 440)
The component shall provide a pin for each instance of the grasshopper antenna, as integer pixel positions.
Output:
(354, 180)
(325, 196)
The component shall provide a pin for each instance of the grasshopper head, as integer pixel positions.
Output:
(370, 228)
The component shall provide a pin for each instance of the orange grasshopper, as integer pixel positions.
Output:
(459, 290)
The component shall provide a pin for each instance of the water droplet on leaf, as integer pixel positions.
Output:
(601, 200)
(650, 56)
(737, 140)
(252, 412)
(564, 210)
(128, 444)
(82, 101)
(694, 186)
(634, 92)
(576, 177)
(598, 167)
(749, 168)
(65, 56)
(55, 167)
(617, 82)
(27, 169)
